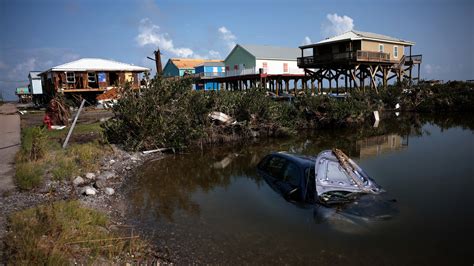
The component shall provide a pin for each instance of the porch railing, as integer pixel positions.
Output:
(344, 56)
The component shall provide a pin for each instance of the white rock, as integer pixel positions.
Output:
(109, 191)
(90, 175)
(78, 181)
(89, 191)
(135, 158)
(112, 161)
(106, 175)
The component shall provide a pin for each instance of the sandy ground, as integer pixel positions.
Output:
(9, 144)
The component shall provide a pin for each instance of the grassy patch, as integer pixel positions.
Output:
(56, 233)
(29, 175)
(41, 152)
(65, 168)
(86, 155)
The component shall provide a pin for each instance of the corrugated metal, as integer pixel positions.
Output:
(272, 52)
(187, 63)
(94, 64)
(361, 35)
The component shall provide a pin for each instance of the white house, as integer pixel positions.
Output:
(248, 59)
(35, 86)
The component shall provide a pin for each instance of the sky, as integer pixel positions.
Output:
(37, 35)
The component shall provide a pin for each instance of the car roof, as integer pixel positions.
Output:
(301, 160)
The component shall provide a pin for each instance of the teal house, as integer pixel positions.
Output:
(178, 67)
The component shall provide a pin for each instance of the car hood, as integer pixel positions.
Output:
(335, 175)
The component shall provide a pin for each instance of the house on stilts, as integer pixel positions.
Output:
(89, 77)
(358, 57)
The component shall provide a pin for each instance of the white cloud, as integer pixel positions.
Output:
(307, 40)
(149, 34)
(227, 36)
(214, 54)
(21, 70)
(335, 25)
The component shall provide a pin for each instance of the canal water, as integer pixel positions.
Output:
(211, 206)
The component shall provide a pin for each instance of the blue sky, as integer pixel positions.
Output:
(37, 35)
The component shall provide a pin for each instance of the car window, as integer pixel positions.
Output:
(276, 166)
(292, 174)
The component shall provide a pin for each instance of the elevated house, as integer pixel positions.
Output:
(209, 70)
(357, 56)
(35, 86)
(24, 94)
(178, 67)
(88, 77)
(253, 59)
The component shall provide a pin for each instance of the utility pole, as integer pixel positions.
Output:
(157, 59)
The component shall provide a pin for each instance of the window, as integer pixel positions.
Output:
(214, 69)
(227, 68)
(70, 77)
(381, 48)
(285, 67)
(275, 167)
(236, 67)
(91, 77)
(395, 51)
(292, 174)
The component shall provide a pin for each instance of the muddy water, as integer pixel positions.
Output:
(212, 207)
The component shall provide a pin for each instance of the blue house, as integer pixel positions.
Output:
(178, 67)
(209, 70)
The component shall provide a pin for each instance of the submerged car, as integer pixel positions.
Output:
(332, 182)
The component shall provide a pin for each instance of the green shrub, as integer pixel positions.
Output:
(29, 175)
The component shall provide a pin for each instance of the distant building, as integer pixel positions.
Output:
(178, 67)
(209, 70)
(89, 77)
(35, 87)
(24, 94)
(357, 56)
(249, 59)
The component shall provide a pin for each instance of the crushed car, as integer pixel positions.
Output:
(333, 183)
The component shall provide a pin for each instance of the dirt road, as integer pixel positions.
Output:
(9, 144)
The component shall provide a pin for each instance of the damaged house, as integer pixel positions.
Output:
(89, 77)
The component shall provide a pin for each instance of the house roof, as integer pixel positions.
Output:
(190, 63)
(34, 74)
(212, 64)
(271, 52)
(97, 64)
(361, 35)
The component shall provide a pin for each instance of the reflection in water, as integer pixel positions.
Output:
(378, 145)
(213, 207)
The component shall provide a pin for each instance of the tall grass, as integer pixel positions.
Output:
(53, 234)
(29, 175)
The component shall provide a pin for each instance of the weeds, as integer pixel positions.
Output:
(64, 168)
(33, 144)
(29, 175)
(52, 234)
